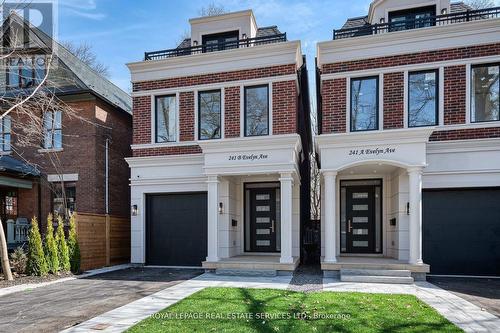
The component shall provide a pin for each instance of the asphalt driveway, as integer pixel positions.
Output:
(484, 293)
(62, 305)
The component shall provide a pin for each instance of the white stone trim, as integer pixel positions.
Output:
(410, 41)
(67, 177)
(216, 62)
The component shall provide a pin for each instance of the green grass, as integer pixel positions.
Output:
(241, 310)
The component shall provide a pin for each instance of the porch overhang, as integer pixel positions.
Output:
(15, 182)
(252, 156)
(404, 148)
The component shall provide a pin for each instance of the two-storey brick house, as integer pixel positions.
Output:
(409, 139)
(77, 160)
(220, 166)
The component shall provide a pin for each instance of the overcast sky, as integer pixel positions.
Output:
(122, 30)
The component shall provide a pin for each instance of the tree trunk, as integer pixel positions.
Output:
(4, 255)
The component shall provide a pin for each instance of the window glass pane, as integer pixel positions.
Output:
(6, 142)
(422, 88)
(13, 73)
(209, 115)
(47, 140)
(256, 111)
(6, 124)
(485, 94)
(57, 120)
(364, 104)
(57, 139)
(47, 120)
(27, 73)
(39, 68)
(166, 122)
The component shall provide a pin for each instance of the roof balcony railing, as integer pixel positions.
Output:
(205, 48)
(438, 20)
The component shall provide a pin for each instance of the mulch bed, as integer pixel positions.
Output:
(23, 279)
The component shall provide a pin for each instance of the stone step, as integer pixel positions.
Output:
(377, 279)
(376, 272)
(244, 272)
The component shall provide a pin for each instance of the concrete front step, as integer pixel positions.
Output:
(244, 272)
(377, 279)
(377, 272)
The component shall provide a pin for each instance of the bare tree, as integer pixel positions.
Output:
(212, 9)
(480, 4)
(84, 51)
(28, 93)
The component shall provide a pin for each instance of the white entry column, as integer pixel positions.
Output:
(330, 205)
(415, 182)
(286, 181)
(213, 218)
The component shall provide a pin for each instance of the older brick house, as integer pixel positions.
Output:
(409, 140)
(79, 165)
(220, 166)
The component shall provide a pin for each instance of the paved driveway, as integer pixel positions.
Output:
(484, 293)
(62, 305)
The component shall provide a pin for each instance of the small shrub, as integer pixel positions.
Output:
(62, 247)
(19, 260)
(51, 253)
(37, 265)
(73, 246)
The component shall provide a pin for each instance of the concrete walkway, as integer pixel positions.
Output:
(462, 313)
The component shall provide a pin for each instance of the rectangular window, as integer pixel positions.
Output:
(364, 104)
(166, 119)
(257, 110)
(5, 129)
(25, 72)
(423, 98)
(412, 18)
(220, 41)
(485, 93)
(64, 202)
(209, 115)
(52, 125)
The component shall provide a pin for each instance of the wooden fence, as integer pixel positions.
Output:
(104, 240)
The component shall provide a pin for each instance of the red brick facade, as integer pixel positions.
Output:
(393, 100)
(333, 92)
(232, 112)
(454, 95)
(284, 107)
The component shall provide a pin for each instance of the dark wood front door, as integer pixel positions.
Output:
(263, 219)
(361, 219)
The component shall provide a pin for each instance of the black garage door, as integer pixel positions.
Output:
(176, 229)
(461, 231)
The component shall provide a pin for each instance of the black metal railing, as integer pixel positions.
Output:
(241, 43)
(439, 20)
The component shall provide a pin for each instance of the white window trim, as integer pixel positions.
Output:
(440, 79)
(153, 119)
(380, 102)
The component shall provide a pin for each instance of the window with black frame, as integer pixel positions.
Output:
(220, 41)
(5, 134)
(485, 93)
(257, 110)
(52, 125)
(412, 18)
(25, 71)
(64, 199)
(364, 104)
(165, 119)
(423, 98)
(209, 115)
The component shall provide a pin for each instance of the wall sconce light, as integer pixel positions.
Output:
(407, 208)
(221, 208)
(382, 20)
(134, 210)
(244, 36)
(195, 43)
(444, 11)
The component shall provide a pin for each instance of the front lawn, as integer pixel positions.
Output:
(265, 310)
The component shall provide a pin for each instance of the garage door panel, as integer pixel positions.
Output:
(461, 231)
(176, 229)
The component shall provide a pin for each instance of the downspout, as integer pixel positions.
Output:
(107, 176)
